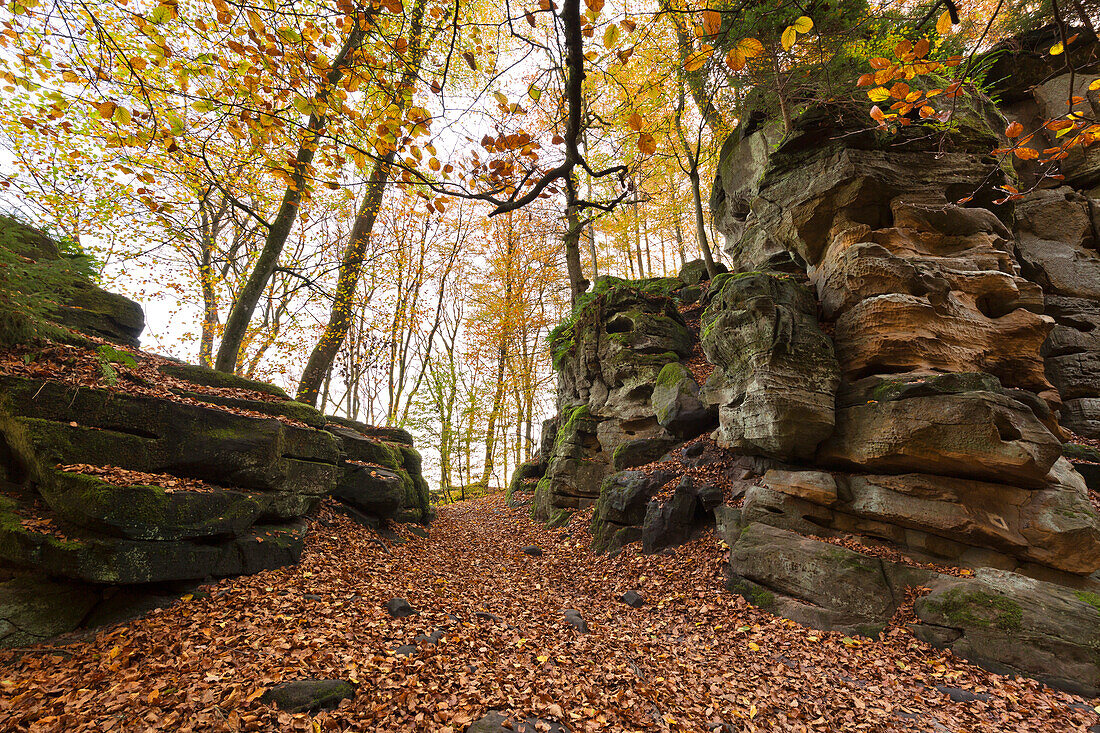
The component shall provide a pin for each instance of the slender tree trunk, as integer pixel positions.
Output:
(351, 268)
(502, 358)
(209, 307)
(680, 240)
(700, 223)
(236, 325)
(572, 237)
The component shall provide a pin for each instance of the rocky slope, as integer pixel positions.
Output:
(886, 394)
(126, 478)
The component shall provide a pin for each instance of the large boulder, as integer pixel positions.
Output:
(381, 472)
(1012, 624)
(957, 425)
(818, 583)
(88, 309)
(776, 376)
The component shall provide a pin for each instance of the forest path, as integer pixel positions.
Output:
(693, 658)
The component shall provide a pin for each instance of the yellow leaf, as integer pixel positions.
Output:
(1057, 49)
(115, 651)
(121, 116)
(943, 23)
(611, 36)
(754, 646)
(256, 22)
(803, 25)
(695, 61)
(750, 47)
(542, 658)
(788, 37)
(1095, 85)
(735, 59)
(879, 94)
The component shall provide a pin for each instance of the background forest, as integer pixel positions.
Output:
(386, 206)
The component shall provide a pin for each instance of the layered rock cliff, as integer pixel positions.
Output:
(127, 478)
(888, 398)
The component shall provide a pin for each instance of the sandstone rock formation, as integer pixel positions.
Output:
(945, 448)
(121, 492)
(890, 376)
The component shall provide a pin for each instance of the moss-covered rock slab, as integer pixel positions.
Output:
(96, 558)
(68, 424)
(1012, 624)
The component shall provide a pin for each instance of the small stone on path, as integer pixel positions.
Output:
(400, 608)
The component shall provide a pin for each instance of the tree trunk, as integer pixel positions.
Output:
(700, 223)
(236, 325)
(680, 241)
(577, 283)
(351, 268)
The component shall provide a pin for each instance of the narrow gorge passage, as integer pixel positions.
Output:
(694, 657)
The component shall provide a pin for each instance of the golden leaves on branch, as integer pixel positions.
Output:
(790, 34)
(746, 48)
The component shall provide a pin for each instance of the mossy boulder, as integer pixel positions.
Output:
(1012, 624)
(611, 349)
(525, 478)
(776, 375)
(392, 486)
(308, 696)
(577, 466)
(818, 583)
(96, 558)
(677, 404)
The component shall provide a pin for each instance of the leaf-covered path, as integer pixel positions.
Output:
(694, 658)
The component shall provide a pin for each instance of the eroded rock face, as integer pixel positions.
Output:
(953, 422)
(625, 396)
(1056, 240)
(963, 335)
(939, 290)
(776, 376)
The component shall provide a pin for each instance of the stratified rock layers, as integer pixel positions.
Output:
(942, 442)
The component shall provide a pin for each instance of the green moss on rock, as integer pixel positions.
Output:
(978, 608)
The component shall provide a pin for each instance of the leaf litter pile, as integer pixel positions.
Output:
(693, 658)
(138, 374)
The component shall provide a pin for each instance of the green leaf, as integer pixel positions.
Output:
(611, 36)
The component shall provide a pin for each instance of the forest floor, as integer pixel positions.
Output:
(693, 658)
